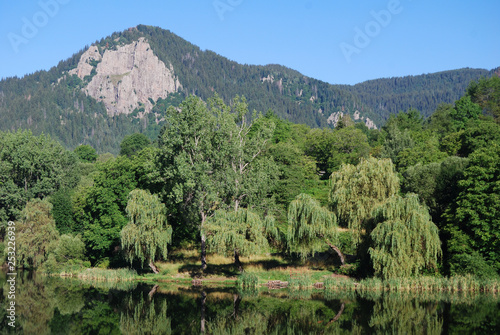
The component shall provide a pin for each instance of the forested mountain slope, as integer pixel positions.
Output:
(124, 83)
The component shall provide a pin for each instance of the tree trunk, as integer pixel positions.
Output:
(153, 291)
(203, 252)
(236, 305)
(203, 301)
(337, 250)
(237, 261)
(153, 267)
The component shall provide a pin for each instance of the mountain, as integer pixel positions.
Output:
(124, 83)
(424, 93)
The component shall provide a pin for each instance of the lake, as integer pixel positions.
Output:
(65, 306)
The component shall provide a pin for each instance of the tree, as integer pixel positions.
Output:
(241, 233)
(69, 248)
(357, 190)
(476, 210)
(186, 163)
(486, 93)
(132, 144)
(62, 210)
(86, 153)
(209, 160)
(310, 226)
(101, 207)
(404, 240)
(464, 111)
(31, 167)
(36, 233)
(147, 235)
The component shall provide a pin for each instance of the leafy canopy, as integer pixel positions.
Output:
(404, 240)
(357, 190)
(309, 226)
(147, 235)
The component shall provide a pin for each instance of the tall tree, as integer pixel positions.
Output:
(357, 190)
(147, 235)
(310, 226)
(476, 210)
(132, 144)
(404, 240)
(31, 167)
(36, 233)
(239, 232)
(186, 162)
(208, 159)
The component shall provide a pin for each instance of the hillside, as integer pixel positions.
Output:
(424, 93)
(124, 83)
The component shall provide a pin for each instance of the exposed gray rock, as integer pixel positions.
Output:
(126, 78)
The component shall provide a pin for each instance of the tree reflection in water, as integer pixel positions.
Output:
(60, 306)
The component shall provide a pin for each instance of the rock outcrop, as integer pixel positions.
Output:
(127, 78)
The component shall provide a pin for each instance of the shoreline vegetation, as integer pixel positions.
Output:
(274, 273)
(411, 207)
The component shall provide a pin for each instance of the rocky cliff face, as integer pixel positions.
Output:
(126, 78)
(335, 117)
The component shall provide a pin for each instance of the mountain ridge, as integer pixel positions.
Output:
(58, 101)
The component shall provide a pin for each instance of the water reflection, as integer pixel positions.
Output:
(61, 306)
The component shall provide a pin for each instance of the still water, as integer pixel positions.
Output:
(62, 306)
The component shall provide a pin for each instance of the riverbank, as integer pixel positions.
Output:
(275, 272)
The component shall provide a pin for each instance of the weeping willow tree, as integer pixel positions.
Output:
(357, 190)
(241, 233)
(396, 314)
(145, 318)
(310, 226)
(404, 240)
(147, 235)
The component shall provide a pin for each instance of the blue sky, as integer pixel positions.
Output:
(340, 42)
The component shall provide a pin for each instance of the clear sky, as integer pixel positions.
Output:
(337, 41)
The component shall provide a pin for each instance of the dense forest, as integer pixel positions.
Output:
(419, 196)
(53, 102)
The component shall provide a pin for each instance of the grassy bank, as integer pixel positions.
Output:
(275, 271)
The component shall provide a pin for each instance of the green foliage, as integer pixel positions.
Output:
(86, 153)
(101, 207)
(463, 259)
(309, 226)
(396, 141)
(464, 111)
(132, 144)
(296, 171)
(145, 318)
(36, 234)
(69, 248)
(241, 232)
(424, 152)
(486, 93)
(405, 240)
(147, 235)
(436, 183)
(476, 210)
(248, 280)
(440, 122)
(31, 167)
(62, 210)
(209, 158)
(357, 190)
(332, 148)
